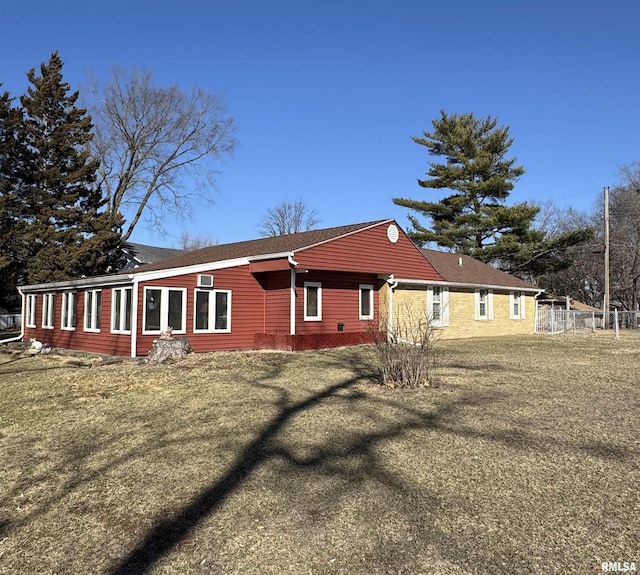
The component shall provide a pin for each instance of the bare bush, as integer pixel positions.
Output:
(405, 349)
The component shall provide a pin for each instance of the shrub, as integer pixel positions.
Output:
(405, 350)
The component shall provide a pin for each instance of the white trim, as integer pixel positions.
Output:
(408, 281)
(521, 304)
(212, 309)
(193, 269)
(369, 288)
(30, 315)
(488, 315)
(318, 317)
(292, 303)
(123, 300)
(443, 320)
(84, 283)
(48, 310)
(134, 317)
(96, 311)
(164, 310)
(68, 312)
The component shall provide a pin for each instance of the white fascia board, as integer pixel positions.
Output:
(194, 269)
(275, 256)
(467, 285)
(116, 279)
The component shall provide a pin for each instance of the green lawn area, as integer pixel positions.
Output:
(526, 460)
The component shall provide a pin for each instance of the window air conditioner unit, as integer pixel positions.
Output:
(205, 281)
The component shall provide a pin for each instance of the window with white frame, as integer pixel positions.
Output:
(121, 299)
(312, 301)
(47, 310)
(68, 310)
(517, 304)
(366, 301)
(212, 311)
(484, 304)
(164, 308)
(31, 310)
(92, 310)
(438, 305)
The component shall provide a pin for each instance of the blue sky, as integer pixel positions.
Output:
(327, 94)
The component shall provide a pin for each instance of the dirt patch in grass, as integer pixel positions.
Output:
(524, 461)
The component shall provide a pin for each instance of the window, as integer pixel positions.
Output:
(164, 308)
(121, 310)
(31, 310)
(517, 304)
(47, 310)
(312, 301)
(212, 311)
(92, 310)
(484, 304)
(366, 301)
(69, 310)
(438, 305)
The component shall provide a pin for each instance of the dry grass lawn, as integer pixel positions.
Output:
(524, 461)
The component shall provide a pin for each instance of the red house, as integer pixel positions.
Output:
(307, 290)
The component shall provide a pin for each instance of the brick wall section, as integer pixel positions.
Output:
(462, 322)
(286, 342)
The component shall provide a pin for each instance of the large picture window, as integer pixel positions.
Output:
(121, 310)
(47, 310)
(68, 310)
(164, 308)
(31, 310)
(212, 311)
(312, 301)
(92, 310)
(366, 301)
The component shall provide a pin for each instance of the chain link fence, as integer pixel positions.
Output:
(556, 321)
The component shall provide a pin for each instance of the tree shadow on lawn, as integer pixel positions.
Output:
(325, 457)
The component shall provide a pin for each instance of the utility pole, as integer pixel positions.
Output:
(605, 299)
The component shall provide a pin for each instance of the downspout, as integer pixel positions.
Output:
(134, 317)
(292, 299)
(393, 284)
(22, 322)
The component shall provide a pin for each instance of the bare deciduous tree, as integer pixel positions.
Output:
(158, 146)
(190, 242)
(288, 218)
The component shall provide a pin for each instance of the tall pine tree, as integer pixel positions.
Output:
(13, 181)
(474, 218)
(66, 229)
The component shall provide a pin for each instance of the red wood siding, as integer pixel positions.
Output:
(370, 251)
(340, 302)
(96, 342)
(277, 312)
(247, 310)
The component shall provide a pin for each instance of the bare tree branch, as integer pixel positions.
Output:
(155, 143)
(288, 218)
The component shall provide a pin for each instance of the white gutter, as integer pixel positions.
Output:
(292, 297)
(134, 317)
(393, 284)
(115, 279)
(468, 285)
(22, 322)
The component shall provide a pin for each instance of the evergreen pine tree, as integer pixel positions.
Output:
(68, 233)
(13, 179)
(474, 218)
